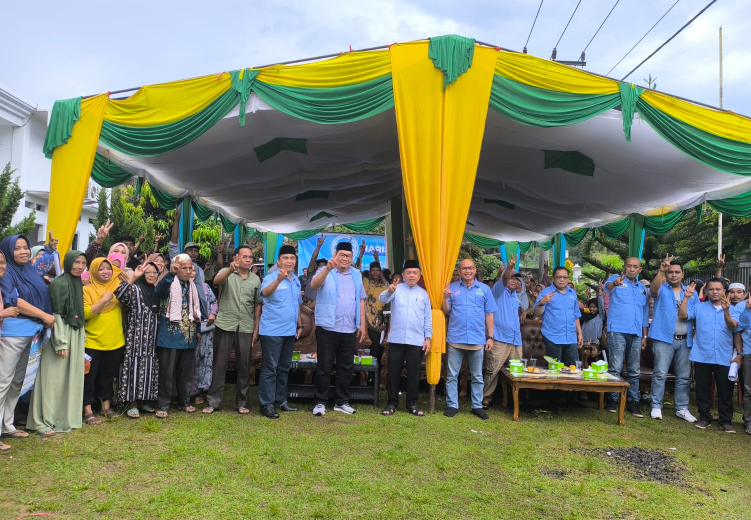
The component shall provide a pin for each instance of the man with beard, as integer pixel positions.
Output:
(192, 250)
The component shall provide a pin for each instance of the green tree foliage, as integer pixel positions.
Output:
(10, 198)
(207, 235)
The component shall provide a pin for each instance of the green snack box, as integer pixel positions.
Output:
(295, 355)
(556, 365)
(515, 368)
(599, 366)
(588, 373)
(602, 376)
(366, 360)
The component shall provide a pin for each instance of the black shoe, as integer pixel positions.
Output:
(285, 407)
(633, 409)
(479, 412)
(611, 407)
(268, 411)
(450, 411)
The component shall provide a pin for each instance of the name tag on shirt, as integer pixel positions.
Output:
(283, 285)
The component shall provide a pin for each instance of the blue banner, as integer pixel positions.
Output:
(372, 243)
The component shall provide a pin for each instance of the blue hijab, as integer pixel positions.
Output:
(22, 281)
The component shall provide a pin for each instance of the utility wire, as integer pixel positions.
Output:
(669, 39)
(564, 29)
(649, 31)
(598, 29)
(533, 26)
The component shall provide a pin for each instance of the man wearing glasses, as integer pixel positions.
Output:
(470, 306)
(558, 306)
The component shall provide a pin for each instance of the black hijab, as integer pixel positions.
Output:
(150, 299)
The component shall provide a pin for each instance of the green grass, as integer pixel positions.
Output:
(228, 466)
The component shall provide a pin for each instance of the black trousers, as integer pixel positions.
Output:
(703, 373)
(339, 347)
(98, 384)
(224, 342)
(176, 366)
(376, 350)
(398, 352)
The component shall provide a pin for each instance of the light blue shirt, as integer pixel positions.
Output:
(411, 321)
(506, 326)
(280, 309)
(744, 325)
(468, 307)
(666, 314)
(559, 315)
(346, 312)
(628, 311)
(713, 340)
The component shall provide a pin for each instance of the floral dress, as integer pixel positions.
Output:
(205, 349)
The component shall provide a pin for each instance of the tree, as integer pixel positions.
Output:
(10, 198)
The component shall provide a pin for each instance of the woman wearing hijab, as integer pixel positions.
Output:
(58, 390)
(161, 265)
(139, 372)
(23, 288)
(8, 312)
(104, 337)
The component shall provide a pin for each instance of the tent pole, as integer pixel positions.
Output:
(719, 219)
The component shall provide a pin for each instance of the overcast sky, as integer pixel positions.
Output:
(57, 50)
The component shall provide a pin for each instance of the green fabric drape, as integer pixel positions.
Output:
(251, 232)
(268, 150)
(186, 226)
(614, 230)
(243, 86)
(108, 174)
(662, 224)
(635, 235)
(534, 106)
(320, 215)
(629, 93)
(150, 141)
(738, 206)
(65, 113)
(714, 151)
(303, 235)
(364, 226)
(452, 55)
(165, 200)
(227, 225)
(202, 212)
(575, 237)
(481, 241)
(524, 246)
(330, 105)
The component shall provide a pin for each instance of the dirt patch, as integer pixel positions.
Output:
(554, 473)
(653, 465)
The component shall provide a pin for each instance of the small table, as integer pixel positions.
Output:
(550, 380)
(359, 393)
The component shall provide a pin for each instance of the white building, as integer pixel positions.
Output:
(22, 131)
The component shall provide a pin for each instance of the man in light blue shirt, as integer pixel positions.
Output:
(278, 329)
(409, 336)
(507, 337)
(712, 350)
(558, 305)
(469, 305)
(628, 322)
(743, 350)
(340, 311)
(672, 338)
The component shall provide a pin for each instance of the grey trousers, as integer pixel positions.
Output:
(14, 356)
(224, 342)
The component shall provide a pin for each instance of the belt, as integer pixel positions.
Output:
(680, 336)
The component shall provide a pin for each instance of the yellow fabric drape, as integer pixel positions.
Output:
(71, 168)
(350, 68)
(550, 75)
(440, 136)
(724, 124)
(167, 102)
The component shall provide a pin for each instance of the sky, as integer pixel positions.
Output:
(57, 50)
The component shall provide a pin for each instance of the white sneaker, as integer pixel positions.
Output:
(685, 415)
(319, 410)
(656, 413)
(344, 408)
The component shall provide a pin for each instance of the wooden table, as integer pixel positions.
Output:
(566, 382)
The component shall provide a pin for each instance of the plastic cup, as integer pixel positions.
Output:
(578, 365)
(532, 362)
(524, 362)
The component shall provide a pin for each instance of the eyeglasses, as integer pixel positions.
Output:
(150, 272)
(467, 268)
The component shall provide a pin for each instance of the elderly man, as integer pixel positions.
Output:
(469, 305)
(507, 337)
(712, 350)
(236, 327)
(278, 329)
(340, 321)
(672, 338)
(409, 336)
(177, 335)
(628, 324)
(192, 250)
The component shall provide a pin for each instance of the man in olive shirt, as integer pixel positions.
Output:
(236, 327)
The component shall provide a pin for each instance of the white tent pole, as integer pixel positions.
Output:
(719, 220)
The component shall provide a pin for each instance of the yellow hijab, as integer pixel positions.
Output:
(96, 289)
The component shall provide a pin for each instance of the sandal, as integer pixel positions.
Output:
(133, 413)
(161, 414)
(485, 405)
(92, 419)
(389, 410)
(187, 409)
(242, 410)
(4, 447)
(416, 412)
(147, 408)
(16, 434)
(110, 413)
(208, 410)
(199, 400)
(46, 433)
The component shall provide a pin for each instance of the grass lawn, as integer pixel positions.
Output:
(227, 466)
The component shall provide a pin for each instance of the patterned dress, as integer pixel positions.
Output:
(139, 372)
(205, 350)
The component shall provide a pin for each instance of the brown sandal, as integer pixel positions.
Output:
(161, 414)
(92, 419)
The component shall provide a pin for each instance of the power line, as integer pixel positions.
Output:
(555, 49)
(533, 26)
(649, 31)
(598, 29)
(669, 39)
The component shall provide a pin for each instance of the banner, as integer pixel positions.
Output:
(372, 243)
(41, 337)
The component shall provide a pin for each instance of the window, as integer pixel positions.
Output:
(33, 205)
(75, 242)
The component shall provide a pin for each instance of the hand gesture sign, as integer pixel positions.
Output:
(392, 287)
(331, 265)
(410, 241)
(282, 274)
(103, 231)
(546, 299)
(618, 281)
(665, 265)
(174, 267)
(690, 290)
(375, 255)
(52, 241)
(599, 287)
(446, 291)
(138, 271)
(177, 213)
(320, 241)
(721, 261)
(725, 302)
(362, 247)
(234, 266)
(220, 247)
(158, 238)
(512, 262)
(748, 300)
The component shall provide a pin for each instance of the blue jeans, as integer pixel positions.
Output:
(625, 347)
(566, 353)
(676, 353)
(276, 356)
(455, 356)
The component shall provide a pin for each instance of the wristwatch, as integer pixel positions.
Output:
(488, 337)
